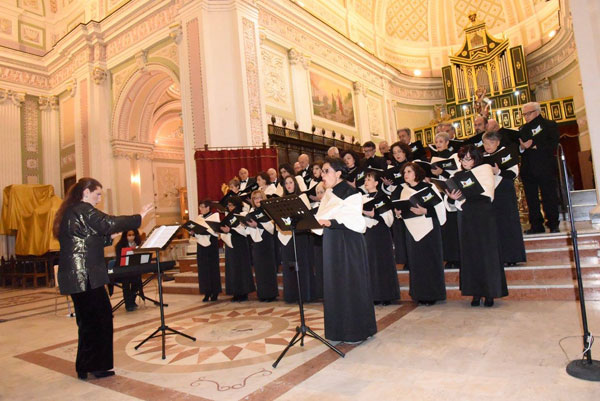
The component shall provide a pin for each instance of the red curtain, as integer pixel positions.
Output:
(217, 167)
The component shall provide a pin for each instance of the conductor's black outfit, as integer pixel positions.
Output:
(539, 171)
(82, 273)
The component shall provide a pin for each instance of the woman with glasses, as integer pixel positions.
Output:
(347, 301)
(481, 269)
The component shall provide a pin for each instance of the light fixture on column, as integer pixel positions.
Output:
(135, 179)
(417, 73)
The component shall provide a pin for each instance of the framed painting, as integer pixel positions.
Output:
(331, 100)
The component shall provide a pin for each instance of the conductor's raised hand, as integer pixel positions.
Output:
(325, 223)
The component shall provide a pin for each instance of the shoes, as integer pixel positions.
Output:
(98, 374)
(386, 303)
(489, 302)
(534, 231)
(271, 299)
(427, 303)
(235, 298)
(131, 308)
(476, 301)
(243, 298)
(214, 297)
(206, 298)
(555, 230)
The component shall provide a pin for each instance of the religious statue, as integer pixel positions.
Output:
(482, 103)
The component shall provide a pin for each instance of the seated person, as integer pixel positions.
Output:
(131, 285)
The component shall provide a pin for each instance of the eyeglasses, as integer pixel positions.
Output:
(466, 159)
(326, 170)
(526, 113)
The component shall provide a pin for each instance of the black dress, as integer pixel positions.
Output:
(427, 281)
(290, 283)
(398, 227)
(237, 264)
(347, 300)
(265, 266)
(508, 222)
(382, 264)
(316, 241)
(209, 274)
(481, 270)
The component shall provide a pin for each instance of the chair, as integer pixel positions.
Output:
(71, 314)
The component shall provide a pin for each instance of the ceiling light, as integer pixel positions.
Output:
(417, 73)
(552, 33)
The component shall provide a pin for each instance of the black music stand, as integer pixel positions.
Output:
(291, 214)
(158, 240)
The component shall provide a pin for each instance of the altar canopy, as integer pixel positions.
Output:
(28, 211)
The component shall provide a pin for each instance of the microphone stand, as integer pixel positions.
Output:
(585, 368)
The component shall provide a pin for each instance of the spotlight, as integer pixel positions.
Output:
(417, 73)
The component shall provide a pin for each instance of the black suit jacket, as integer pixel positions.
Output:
(542, 160)
(377, 162)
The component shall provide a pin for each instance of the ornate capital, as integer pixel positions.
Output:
(72, 87)
(132, 150)
(18, 98)
(99, 75)
(47, 103)
(359, 88)
(141, 59)
(296, 57)
(176, 33)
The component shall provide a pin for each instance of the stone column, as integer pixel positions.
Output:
(586, 14)
(299, 64)
(362, 112)
(50, 121)
(543, 90)
(10, 152)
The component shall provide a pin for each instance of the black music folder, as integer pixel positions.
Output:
(196, 228)
(503, 157)
(404, 207)
(380, 203)
(394, 174)
(449, 164)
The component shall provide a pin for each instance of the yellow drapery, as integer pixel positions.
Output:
(28, 211)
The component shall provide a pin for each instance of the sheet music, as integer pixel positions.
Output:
(160, 236)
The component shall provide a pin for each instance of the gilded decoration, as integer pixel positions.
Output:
(99, 75)
(252, 80)
(407, 20)
(31, 141)
(276, 77)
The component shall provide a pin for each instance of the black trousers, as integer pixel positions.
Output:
(94, 319)
(548, 185)
(131, 287)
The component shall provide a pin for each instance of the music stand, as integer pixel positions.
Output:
(158, 240)
(291, 214)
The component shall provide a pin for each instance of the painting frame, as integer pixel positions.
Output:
(340, 111)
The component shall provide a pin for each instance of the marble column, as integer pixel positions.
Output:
(10, 153)
(362, 112)
(299, 64)
(50, 124)
(586, 14)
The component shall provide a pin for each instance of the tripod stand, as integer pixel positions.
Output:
(163, 328)
(288, 213)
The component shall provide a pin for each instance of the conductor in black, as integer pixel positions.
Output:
(538, 140)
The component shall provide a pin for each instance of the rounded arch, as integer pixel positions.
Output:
(138, 100)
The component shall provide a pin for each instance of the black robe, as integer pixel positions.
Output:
(290, 282)
(209, 274)
(481, 270)
(508, 222)
(425, 257)
(347, 301)
(382, 264)
(265, 266)
(237, 264)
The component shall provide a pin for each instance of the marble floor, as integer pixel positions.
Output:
(516, 350)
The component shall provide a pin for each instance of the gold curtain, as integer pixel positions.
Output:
(28, 211)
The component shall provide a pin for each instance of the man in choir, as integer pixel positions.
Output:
(404, 135)
(305, 172)
(371, 160)
(510, 138)
(297, 168)
(245, 181)
(480, 125)
(273, 176)
(333, 152)
(538, 141)
(384, 149)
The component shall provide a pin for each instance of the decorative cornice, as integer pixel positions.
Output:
(72, 87)
(297, 57)
(47, 103)
(99, 75)
(176, 33)
(359, 88)
(132, 150)
(17, 98)
(141, 60)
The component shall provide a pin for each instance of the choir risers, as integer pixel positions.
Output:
(583, 202)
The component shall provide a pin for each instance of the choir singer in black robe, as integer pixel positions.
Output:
(348, 303)
(481, 269)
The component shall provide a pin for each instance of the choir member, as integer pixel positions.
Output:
(207, 255)
(481, 270)
(404, 135)
(273, 178)
(371, 160)
(316, 240)
(347, 301)
(245, 181)
(384, 149)
(400, 156)
(506, 208)
(261, 231)
(424, 239)
(333, 152)
(303, 252)
(286, 170)
(297, 168)
(450, 240)
(131, 285)
(315, 174)
(237, 253)
(382, 266)
(264, 184)
(351, 162)
(305, 170)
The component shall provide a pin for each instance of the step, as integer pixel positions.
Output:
(584, 197)
(553, 240)
(521, 293)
